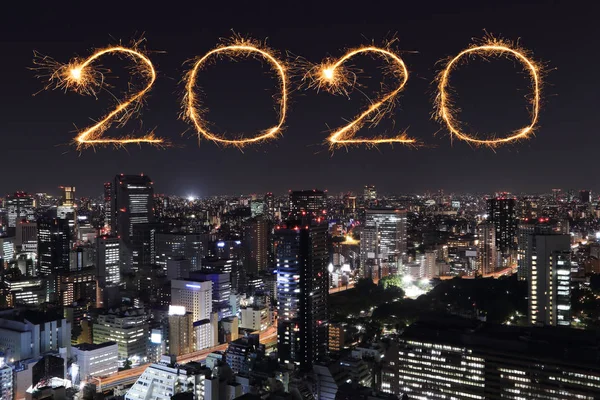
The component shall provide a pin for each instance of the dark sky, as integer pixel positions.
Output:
(36, 130)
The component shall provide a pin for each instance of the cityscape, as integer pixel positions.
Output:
(299, 201)
(305, 294)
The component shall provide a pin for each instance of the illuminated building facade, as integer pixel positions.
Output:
(548, 260)
(502, 213)
(54, 245)
(256, 240)
(107, 260)
(468, 360)
(132, 202)
(487, 253)
(195, 296)
(128, 328)
(383, 239)
(302, 290)
(19, 206)
(308, 202)
(181, 332)
(95, 360)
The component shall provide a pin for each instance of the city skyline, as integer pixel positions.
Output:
(43, 125)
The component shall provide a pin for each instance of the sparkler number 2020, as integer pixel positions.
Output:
(331, 75)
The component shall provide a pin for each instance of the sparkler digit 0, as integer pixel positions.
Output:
(192, 110)
(80, 76)
(334, 77)
(446, 113)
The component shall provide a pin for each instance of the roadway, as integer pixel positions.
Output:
(128, 377)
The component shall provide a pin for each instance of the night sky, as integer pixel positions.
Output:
(36, 130)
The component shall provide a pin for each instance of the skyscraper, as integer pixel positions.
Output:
(370, 194)
(585, 196)
(108, 210)
(132, 199)
(195, 296)
(256, 241)
(107, 260)
(302, 290)
(269, 204)
(311, 202)
(54, 245)
(181, 331)
(487, 253)
(548, 259)
(502, 213)
(19, 206)
(383, 239)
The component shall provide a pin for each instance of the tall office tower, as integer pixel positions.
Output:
(257, 208)
(221, 291)
(370, 194)
(107, 260)
(128, 328)
(549, 277)
(132, 199)
(439, 359)
(502, 213)
(488, 259)
(140, 249)
(530, 226)
(108, 210)
(195, 296)
(312, 202)
(54, 245)
(383, 239)
(269, 204)
(177, 246)
(181, 331)
(68, 196)
(302, 290)
(26, 237)
(585, 196)
(19, 206)
(256, 241)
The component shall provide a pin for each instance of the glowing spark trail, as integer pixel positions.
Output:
(80, 76)
(335, 78)
(192, 110)
(445, 112)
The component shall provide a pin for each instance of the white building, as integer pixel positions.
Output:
(162, 381)
(6, 381)
(207, 332)
(195, 296)
(107, 260)
(128, 328)
(255, 318)
(96, 360)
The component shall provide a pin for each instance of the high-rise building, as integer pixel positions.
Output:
(54, 245)
(6, 381)
(256, 240)
(26, 237)
(19, 206)
(370, 194)
(585, 196)
(132, 201)
(383, 239)
(269, 204)
(302, 291)
(195, 296)
(502, 213)
(68, 196)
(128, 328)
(548, 259)
(176, 246)
(221, 291)
(530, 226)
(312, 202)
(108, 210)
(467, 360)
(107, 260)
(181, 331)
(488, 259)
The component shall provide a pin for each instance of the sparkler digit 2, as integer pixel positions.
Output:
(80, 76)
(446, 113)
(192, 110)
(334, 77)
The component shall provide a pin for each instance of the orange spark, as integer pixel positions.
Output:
(445, 111)
(192, 110)
(80, 76)
(332, 76)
